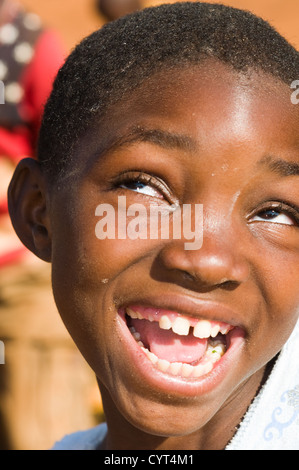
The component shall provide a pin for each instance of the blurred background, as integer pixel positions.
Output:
(75, 19)
(46, 388)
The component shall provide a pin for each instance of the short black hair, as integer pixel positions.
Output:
(117, 58)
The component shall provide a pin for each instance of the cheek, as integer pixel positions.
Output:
(274, 259)
(279, 294)
(86, 275)
(280, 281)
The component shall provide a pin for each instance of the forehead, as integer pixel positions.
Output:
(204, 103)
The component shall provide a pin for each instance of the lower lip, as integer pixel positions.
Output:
(176, 384)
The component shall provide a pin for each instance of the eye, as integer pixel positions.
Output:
(141, 187)
(274, 216)
(278, 215)
(144, 184)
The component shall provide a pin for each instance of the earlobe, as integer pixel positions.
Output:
(28, 208)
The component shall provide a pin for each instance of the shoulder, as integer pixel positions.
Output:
(83, 440)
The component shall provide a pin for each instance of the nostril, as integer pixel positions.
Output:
(228, 285)
(188, 276)
(225, 284)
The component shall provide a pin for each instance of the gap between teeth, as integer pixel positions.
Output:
(202, 329)
(181, 326)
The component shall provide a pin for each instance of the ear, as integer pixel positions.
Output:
(28, 208)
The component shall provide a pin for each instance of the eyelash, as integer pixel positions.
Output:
(144, 178)
(283, 208)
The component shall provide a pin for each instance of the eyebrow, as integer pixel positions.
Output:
(170, 140)
(162, 138)
(279, 166)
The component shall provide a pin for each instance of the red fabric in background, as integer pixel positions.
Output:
(37, 80)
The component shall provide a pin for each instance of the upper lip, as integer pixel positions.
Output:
(191, 307)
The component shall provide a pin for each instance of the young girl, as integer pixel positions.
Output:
(175, 106)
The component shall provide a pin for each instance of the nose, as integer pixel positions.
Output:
(218, 263)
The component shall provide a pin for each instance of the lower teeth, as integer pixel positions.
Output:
(215, 350)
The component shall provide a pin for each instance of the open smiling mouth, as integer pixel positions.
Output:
(176, 344)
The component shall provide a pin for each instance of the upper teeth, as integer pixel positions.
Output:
(181, 325)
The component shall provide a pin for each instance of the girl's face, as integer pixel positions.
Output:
(147, 313)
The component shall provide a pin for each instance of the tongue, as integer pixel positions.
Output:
(168, 345)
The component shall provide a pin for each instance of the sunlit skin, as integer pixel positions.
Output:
(213, 137)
